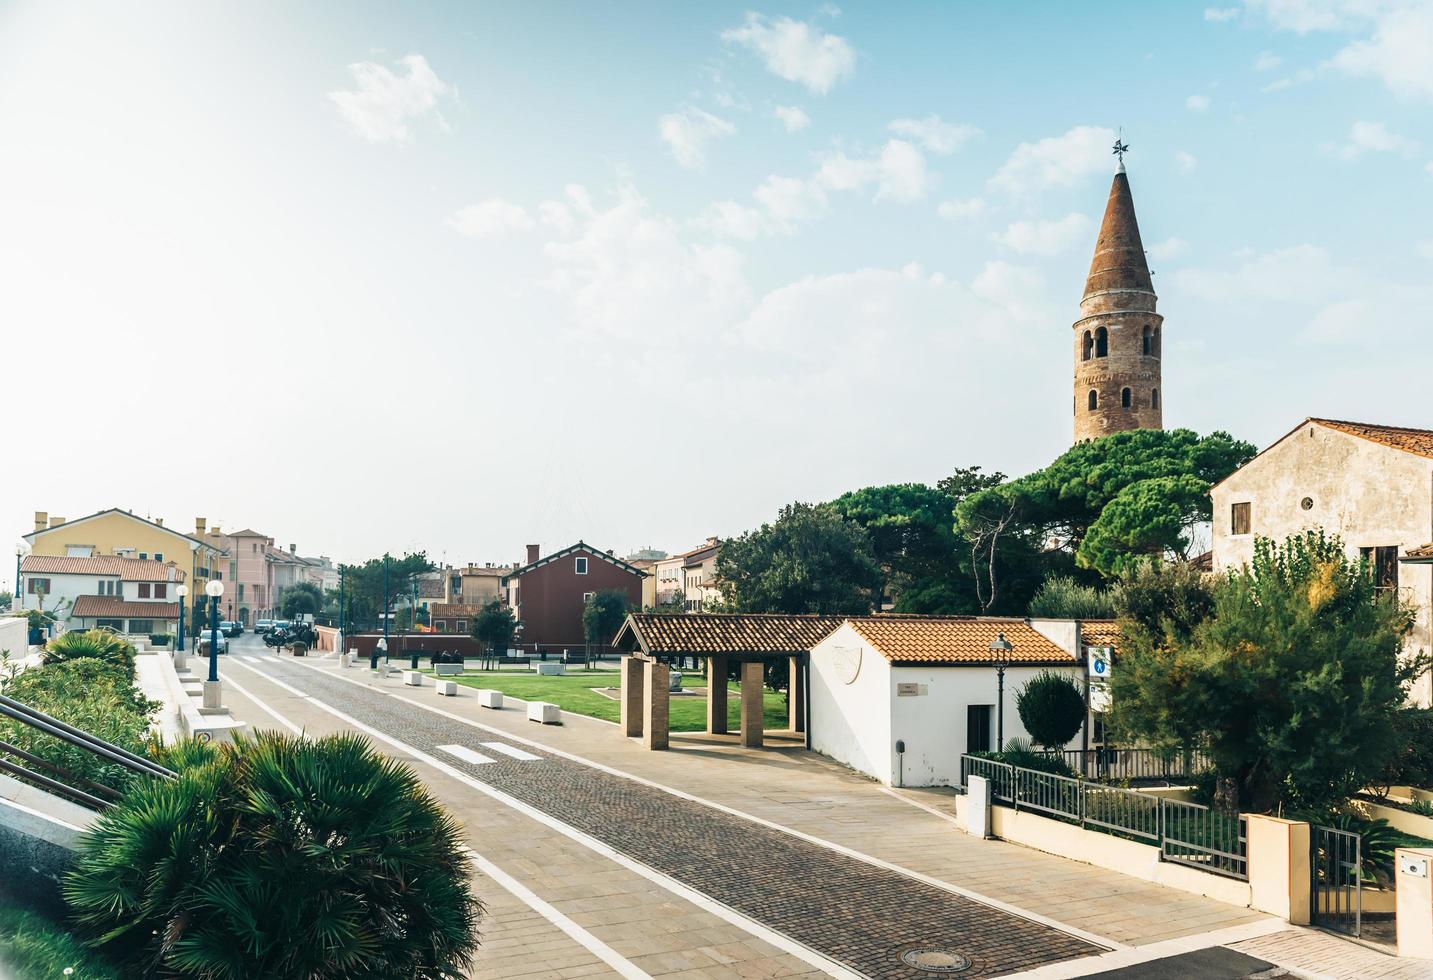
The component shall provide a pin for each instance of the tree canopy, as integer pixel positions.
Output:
(809, 560)
(1292, 682)
(1052, 709)
(364, 585)
(494, 625)
(1109, 501)
(602, 616)
(300, 599)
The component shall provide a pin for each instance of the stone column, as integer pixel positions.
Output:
(1279, 867)
(753, 721)
(795, 696)
(1414, 898)
(655, 704)
(716, 695)
(631, 697)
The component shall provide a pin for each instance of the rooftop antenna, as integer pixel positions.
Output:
(1120, 149)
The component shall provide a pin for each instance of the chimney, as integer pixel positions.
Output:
(42, 520)
(56, 521)
(199, 523)
(713, 540)
(532, 553)
(214, 531)
(293, 549)
(159, 521)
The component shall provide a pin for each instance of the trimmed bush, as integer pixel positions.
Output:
(33, 946)
(95, 644)
(95, 696)
(282, 858)
(1061, 597)
(1052, 708)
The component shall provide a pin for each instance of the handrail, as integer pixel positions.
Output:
(54, 785)
(49, 766)
(25, 714)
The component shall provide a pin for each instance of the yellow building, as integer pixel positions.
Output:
(118, 532)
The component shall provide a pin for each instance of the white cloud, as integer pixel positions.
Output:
(1267, 61)
(796, 51)
(1220, 14)
(1197, 103)
(1425, 249)
(627, 273)
(788, 200)
(1303, 16)
(490, 219)
(794, 118)
(1046, 237)
(728, 219)
(688, 131)
(935, 134)
(1170, 248)
(385, 102)
(1369, 137)
(1301, 77)
(898, 173)
(1056, 161)
(1398, 53)
(1185, 162)
(961, 210)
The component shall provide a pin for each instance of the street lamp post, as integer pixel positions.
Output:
(385, 608)
(183, 593)
(413, 622)
(341, 650)
(17, 601)
(213, 691)
(1000, 656)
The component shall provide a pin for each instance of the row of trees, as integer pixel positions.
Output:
(979, 543)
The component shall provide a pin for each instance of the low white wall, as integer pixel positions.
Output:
(1115, 853)
(1409, 823)
(15, 636)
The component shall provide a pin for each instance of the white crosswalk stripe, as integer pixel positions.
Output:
(466, 754)
(508, 750)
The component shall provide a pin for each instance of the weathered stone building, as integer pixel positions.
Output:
(1118, 335)
(1372, 485)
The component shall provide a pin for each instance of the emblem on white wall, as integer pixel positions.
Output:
(847, 662)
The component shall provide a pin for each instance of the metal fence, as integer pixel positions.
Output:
(1336, 892)
(1134, 765)
(1185, 833)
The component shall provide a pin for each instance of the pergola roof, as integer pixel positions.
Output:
(741, 635)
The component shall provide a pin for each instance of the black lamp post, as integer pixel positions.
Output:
(183, 593)
(385, 608)
(1000, 649)
(214, 590)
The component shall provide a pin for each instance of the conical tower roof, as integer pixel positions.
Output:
(1119, 261)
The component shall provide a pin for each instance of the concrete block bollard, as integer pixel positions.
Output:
(412, 678)
(490, 699)
(447, 688)
(544, 712)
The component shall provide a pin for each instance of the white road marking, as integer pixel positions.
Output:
(594, 945)
(728, 914)
(1154, 951)
(466, 754)
(264, 707)
(508, 750)
(974, 896)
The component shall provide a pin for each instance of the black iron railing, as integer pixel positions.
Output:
(55, 778)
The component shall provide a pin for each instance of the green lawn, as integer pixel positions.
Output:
(574, 692)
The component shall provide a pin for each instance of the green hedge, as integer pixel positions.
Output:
(93, 695)
(31, 946)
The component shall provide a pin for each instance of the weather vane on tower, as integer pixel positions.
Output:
(1121, 147)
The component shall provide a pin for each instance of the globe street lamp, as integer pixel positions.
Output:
(183, 593)
(212, 690)
(1000, 656)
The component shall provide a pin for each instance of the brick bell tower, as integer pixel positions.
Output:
(1119, 336)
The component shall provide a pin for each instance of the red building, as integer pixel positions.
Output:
(547, 595)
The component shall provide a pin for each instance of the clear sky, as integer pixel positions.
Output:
(640, 272)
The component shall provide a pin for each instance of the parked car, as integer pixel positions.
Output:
(263, 626)
(282, 624)
(229, 628)
(204, 638)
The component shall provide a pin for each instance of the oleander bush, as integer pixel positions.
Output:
(95, 696)
(282, 858)
(89, 644)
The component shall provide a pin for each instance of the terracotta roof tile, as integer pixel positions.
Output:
(1419, 442)
(127, 569)
(955, 639)
(1100, 632)
(1423, 552)
(452, 610)
(431, 588)
(112, 606)
(698, 634)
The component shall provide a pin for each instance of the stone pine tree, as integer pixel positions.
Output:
(602, 617)
(494, 626)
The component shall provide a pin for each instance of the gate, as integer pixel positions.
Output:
(1336, 892)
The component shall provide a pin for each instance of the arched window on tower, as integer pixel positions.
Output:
(1094, 399)
(1154, 398)
(1125, 398)
(1102, 342)
(1148, 340)
(1087, 346)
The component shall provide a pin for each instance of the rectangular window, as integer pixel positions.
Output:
(38, 586)
(79, 550)
(159, 556)
(586, 597)
(1383, 562)
(582, 566)
(233, 569)
(462, 626)
(1239, 518)
(144, 590)
(977, 727)
(144, 556)
(141, 626)
(241, 591)
(161, 591)
(441, 625)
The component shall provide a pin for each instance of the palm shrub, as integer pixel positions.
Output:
(96, 644)
(282, 858)
(95, 696)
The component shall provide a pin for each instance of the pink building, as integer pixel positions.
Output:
(247, 564)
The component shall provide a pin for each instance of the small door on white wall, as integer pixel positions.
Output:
(977, 727)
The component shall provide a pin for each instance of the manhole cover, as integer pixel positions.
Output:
(933, 960)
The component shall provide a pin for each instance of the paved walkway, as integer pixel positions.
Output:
(762, 848)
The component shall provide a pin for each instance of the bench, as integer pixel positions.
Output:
(544, 712)
(502, 662)
(448, 670)
(550, 670)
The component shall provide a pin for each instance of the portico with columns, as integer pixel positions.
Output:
(651, 644)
